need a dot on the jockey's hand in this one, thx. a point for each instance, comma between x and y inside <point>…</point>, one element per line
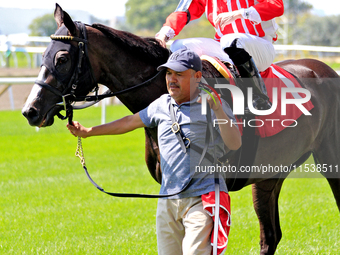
<point>161,38</point>
<point>77,129</point>
<point>224,19</point>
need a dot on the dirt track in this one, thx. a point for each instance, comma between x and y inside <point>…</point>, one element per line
<point>20,92</point>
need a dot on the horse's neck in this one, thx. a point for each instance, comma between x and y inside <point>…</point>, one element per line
<point>140,98</point>
<point>122,70</point>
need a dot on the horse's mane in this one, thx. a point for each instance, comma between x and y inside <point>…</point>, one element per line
<point>148,49</point>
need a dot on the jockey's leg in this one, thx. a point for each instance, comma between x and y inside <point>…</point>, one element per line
<point>248,69</point>
<point>202,46</point>
<point>250,75</point>
<point>261,50</point>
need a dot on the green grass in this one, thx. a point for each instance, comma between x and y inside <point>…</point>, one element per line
<point>334,65</point>
<point>48,206</point>
<point>21,59</point>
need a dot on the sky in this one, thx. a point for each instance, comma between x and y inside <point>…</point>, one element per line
<point>107,9</point>
<point>103,9</point>
<point>329,7</point>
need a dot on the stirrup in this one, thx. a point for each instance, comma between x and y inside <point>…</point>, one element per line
<point>261,103</point>
<point>260,96</point>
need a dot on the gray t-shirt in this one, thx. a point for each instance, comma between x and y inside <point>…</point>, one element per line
<point>179,168</point>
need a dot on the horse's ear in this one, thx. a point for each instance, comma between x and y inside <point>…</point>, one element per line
<point>62,17</point>
<point>59,15</point>
<point>70,24</point>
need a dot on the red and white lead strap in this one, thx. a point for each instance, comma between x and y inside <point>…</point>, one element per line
<point>217,217</point>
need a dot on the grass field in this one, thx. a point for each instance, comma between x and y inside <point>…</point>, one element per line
<point>48,206</point>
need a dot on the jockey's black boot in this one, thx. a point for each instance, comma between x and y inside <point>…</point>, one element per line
<point>252,78</point>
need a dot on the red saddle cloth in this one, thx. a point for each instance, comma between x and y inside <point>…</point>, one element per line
<point>269,125</point>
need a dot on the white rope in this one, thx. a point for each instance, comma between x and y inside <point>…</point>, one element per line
<point>217,217</point>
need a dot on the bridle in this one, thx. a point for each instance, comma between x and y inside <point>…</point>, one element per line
<point>68,95</point>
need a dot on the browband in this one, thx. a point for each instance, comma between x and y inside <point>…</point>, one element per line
<point>67,37</point>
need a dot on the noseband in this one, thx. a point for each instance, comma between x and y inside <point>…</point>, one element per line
<point>68,95</point>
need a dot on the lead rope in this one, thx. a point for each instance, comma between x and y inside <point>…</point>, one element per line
<point>217,185</point>
<point>80,155</point>
<point>80,152</point>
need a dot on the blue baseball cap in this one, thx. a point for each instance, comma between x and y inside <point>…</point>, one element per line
<point>182,60</point>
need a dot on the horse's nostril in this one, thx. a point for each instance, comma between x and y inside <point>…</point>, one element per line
<point>31,113</point>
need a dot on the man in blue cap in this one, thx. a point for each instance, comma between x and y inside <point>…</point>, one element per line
<point>183,226</point>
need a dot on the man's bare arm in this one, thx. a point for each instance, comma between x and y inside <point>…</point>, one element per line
<point>120,126</point>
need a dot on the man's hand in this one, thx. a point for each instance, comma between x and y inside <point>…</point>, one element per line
<point>229,132</point>
<point>78,130</point>
<point>226,18</point>
<point>214,106</point>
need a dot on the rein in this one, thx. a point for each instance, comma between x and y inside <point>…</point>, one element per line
<point>98,98</point>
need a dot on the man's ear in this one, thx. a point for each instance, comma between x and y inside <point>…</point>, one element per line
<point>198,75</point>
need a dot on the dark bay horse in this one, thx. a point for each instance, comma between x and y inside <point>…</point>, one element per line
<point>121,60</point>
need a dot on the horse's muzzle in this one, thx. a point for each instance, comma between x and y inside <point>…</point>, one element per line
<point>36,119</point>
<point>32,115</point>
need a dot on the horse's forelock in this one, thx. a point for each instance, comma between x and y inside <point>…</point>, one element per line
<point>147,48</point>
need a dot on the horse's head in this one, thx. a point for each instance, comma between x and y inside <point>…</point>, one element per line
<point>65,65</point>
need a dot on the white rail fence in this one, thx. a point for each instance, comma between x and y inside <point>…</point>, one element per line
<point>7,82</point>
<point>12,44</point>
<point>38,50</point>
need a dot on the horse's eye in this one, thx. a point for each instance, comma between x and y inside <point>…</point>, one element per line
<point>62,60</point>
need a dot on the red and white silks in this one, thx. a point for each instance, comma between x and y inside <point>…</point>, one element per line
<point>258,17</point>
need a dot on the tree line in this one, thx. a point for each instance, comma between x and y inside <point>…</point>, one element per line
<point>145,17</point>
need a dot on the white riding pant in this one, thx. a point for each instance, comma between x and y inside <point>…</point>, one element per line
<point>260,49</point>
